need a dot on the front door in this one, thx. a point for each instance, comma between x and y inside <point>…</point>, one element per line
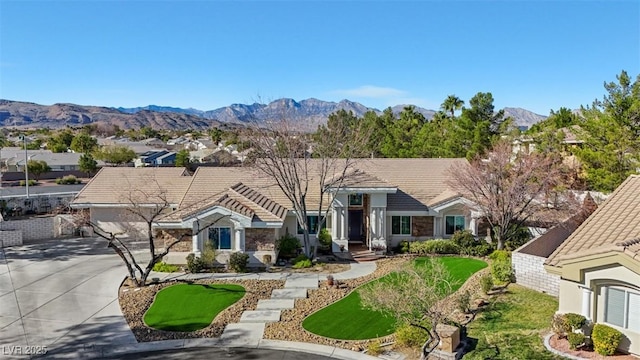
<point>355,225</point>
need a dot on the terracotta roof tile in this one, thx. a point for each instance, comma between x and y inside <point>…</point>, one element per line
<point>613,226</point>
<point>116,185</point>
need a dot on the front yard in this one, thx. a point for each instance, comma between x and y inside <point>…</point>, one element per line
<point>512,326</point>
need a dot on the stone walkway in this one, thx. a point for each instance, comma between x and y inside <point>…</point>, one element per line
<point>250,330</point>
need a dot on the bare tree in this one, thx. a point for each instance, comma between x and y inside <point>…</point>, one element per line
<point>144,207</point>
<point>300,163</point>
<point>511,189</point>
<point>413,295</point>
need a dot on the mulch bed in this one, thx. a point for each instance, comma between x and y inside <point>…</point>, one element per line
<point>563,346</point>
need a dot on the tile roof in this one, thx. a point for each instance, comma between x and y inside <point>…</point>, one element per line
<point>614,226</point>
<point>420,183</point>
<point>115,185</point>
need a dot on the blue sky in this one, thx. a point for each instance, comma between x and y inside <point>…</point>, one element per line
<point>539,55</point>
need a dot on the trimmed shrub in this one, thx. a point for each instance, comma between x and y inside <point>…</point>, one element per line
<point>302,264</point>
<point>324,238</point>
<point>434,247</point>
<point>68,180</point>
<point>164,267</point>
<point>481,249</point>
<point>402,247</point>
<point>575,340</point>
<point>576,321</point>
<point>486,283</point>
<point>464,239</point>
<point>238,262</point>
<point>299,258</point>
<point>31,183</point>
<point>501,266</point>
<point>194,263</point>
<point>410,336</point>
<point>605,339</point>
<point>208,255</point>
<point>288,246</point>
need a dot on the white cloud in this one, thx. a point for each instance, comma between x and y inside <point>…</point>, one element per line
<point>371,91</point>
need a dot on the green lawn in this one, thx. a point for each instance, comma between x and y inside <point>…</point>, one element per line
<point>512,326</point>
<point>347,319</point>
<point>189,307</point>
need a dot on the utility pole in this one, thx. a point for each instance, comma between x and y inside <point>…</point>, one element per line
<point>26,168</point>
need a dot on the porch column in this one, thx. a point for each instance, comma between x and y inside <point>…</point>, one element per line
<point>373,225</point>
<point>195,243</point>
<point>336,222</point>
<point>382,216</point>
<point>587,293</point>
<point>239,239</point>
<point>344,228</point>
<point>473,226</point>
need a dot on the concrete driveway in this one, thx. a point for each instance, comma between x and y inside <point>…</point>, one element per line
<point>60,294</point>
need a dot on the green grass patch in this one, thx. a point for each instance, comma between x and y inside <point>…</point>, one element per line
<point>347,319</point>
<point>511,327</point>
<point>189,307</point>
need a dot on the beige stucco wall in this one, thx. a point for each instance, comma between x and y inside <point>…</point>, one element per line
<point>119,221</point>
<point>571,297</point>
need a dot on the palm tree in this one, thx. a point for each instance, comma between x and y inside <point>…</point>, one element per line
<point>451,104</point>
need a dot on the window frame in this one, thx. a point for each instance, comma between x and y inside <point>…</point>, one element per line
<point>312,229</point>
<point>217,243</point>
<point>356,196</point>
<point>455,218</point>
<point>627,293</point>
<point>400,219</point>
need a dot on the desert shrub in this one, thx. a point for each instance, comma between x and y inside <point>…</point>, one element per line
<point>288,246</point>
<point>434,247</point>
<point>560,325</point>
<point>299,258</point>
<point>464,239</point>
<point>68,180</point>
<point>463,301</point>
<point>486,283</point>
<point>194,263</point>
<point>374,348</point>
<point>481,249</point>
<point>576,321</point>
<point>324,238</point>
<point>605,339</point>
<point>208,255</point>
<point>501,266</point>
<point>303,264</point>
<point>575,340</point>
<point>238,261</point>
<point>164,267</point>
<point>402,247</point>
<point>410,336</point>
<point>31,183</point>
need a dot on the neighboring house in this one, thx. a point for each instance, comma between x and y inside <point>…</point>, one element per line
<point>381,202</point>
<point>65,161</point>
<point>599,265</point>
<point>156,158</point>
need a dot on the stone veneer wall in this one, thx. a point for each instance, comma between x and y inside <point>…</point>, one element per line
<point>422,226</point>
<point>37,228</point>
<point>259,239</point>
<point>165,237</point>
<point>529,272</point>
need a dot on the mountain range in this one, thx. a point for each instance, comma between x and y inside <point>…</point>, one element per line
<point>308,113</point>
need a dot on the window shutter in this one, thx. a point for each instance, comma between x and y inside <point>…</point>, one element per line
<point>614,307</point>
<point>633,322</point>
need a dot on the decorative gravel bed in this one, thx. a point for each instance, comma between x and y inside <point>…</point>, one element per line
<point>134,303</point>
